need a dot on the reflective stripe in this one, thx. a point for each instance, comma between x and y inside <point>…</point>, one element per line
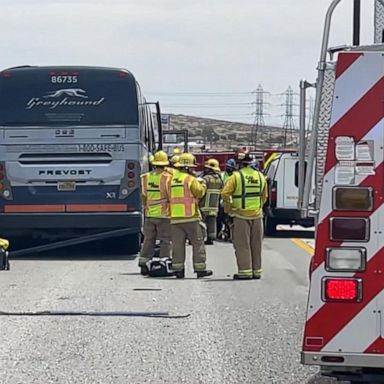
<point>177,266</point>
<point>209,204</point>
<point>143,261</point>
<point>246,272</point>
<point>183,203</point>
<point>154,189</point>
<point>249,185</point>
<point>199,266</point>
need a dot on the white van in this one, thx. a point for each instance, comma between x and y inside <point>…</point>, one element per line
<point>283,192</point>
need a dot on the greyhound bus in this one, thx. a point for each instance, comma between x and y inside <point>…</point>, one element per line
<point>74,141</point>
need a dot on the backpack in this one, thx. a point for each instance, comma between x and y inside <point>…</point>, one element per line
<point>160,267</point>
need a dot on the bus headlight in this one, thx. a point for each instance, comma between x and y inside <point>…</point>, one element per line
<point>7,193</point>
<point>124,192</point>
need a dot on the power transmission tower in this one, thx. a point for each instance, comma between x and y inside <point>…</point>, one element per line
<point>289,123</point>
<point>259,113</point>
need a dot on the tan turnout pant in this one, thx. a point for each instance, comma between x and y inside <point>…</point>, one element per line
<point>155,229</point>
<point>210,222</point>
<point>193,232</point>
<point>247,240</point>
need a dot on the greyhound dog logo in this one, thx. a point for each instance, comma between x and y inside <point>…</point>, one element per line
<point>72,92</point>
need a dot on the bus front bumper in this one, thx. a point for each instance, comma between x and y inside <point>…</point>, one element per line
<point>89,220</point>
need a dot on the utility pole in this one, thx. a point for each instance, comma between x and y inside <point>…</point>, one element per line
<point>310,118</point>
<point>289,124</point>
<point>259,121</point>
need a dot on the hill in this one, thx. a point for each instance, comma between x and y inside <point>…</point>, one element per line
<point>222,134</point>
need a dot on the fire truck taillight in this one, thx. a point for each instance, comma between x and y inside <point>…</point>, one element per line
<point>342,289</point>
<point>349,229</point>
<point>353,198</point>
<point>346,259</point>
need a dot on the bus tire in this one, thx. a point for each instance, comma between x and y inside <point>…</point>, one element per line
<point>269,226</point>
<point>134,243</point>
<point>124,245</point>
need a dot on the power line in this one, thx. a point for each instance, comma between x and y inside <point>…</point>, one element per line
<point>208,105</point>
<point>205,106</point>
<point>199,93</point>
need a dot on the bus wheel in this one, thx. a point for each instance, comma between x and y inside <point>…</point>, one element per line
<point>269,226</point>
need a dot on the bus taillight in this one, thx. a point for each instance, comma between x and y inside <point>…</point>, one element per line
<point>131,165</point>
<point>131,175</point>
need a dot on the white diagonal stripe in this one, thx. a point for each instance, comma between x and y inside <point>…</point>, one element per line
<point>373,246</point>
<point>377,135</point>
<point>358,79</point>
<point>360,332</point>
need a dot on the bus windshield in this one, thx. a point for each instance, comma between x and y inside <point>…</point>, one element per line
<point>71,96</point>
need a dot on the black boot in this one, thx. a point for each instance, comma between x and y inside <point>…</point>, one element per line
<point>236,276</point>
<point>209,242</point>
<point>144,270</point>
<point>205,273</point>
<point>180,274</point>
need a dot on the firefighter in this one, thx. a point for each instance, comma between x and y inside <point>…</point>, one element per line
<point>184,190</point>
<point>173,159</point>
<point>156,211</point>
<point>209,204</point>
<point>223,229</point>
<point>244,195</point>
<point>230,167</point>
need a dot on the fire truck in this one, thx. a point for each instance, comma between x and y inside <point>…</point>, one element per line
<point>344,328</point>
<point>263,157</point>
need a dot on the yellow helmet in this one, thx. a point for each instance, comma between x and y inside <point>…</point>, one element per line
<point>186,160</point>
<point>212,164</point>
<point>160,159</point>
<point>176,151</point>
<point>174,159</point>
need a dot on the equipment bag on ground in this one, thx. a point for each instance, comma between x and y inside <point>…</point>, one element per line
<point>160,267</point>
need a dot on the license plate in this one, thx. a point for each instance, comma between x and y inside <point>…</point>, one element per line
<point>66,186</point>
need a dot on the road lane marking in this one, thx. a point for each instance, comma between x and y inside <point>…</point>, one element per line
<point>303,245</point>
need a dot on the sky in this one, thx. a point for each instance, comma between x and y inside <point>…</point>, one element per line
<point>200,57</point>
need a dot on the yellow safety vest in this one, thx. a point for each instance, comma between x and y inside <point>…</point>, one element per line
<point>210,202</point>
<point>182,202</point>
<point>154,188</point>
<point>248,189</point>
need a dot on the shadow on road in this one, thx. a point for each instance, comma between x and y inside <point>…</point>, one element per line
<point>318,379</point>
<point>82,252</point>
<point>287,234</point>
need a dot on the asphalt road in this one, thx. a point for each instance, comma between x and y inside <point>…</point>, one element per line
<point>237,331</point>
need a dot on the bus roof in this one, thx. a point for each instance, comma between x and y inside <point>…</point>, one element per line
<point>67,68</point>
